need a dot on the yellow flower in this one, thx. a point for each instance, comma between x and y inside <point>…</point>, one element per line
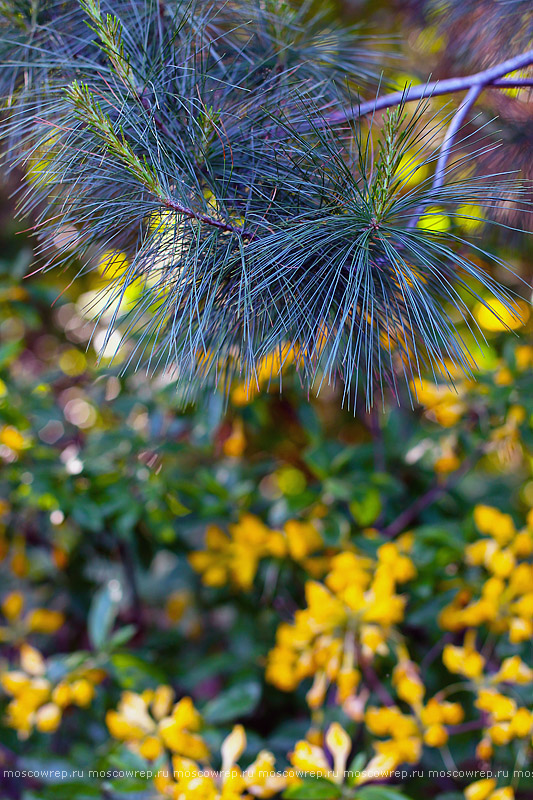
<point>411,170</point>
<point>498,705</point>
<point>470,217</point>
<point>400,565</point>
<point>480,790</point>
<point>522,545</point>
<point>434,219</point>
<point>513,670</point>
<point>501,563</point>
<point>436,736</point>
<point>309,758</point>
<point>464,660</point>
<point>523,357</point>
<point>357,600</point>
<point>176,731</point>
<point>505,793</point>
<point>500,733</point>
<point>317,693</point>
<point>161,705</point>
<point>302,539</point>
<point>339,744</point>
<point>113,264</point>
<point>148,732</point>
<point>494,315</point>
<point>484,750</point>
<point>436,712</point>
<point>12,438</point>
<point>522,723</point>
<point>151,748</point>
<point>31,660</point>
<point>82,692</point>
<point>400,749</point>
<point>373,640</point>
<point>47,718</point>
<point>43,620</point>
<point>14,682</point>
<point>235,444</point>
<point>493,522</point>
<point>187,781</point>
<point>12,606</point>
<point>347,681</point>
<point>233,747</point>
<point>407,681</point>
<point>121,728</point>
<point>520,630</point>
<point>261,778</point>
<point>62,694</point>
<point>447,463</point>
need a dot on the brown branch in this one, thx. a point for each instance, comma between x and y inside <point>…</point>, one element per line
<point>190,213</point>
<point>493,77</point>
<point>433,494</point>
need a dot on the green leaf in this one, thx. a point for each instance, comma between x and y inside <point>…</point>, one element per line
<point>122,636</point>
<point>8,352</point>
<point>69,790</point>
<point>133,673</point>
<point>356,765</point>
<point>237,701</point>
<point>102,615</point>
<point>313,789</point>
<point>366,509</point>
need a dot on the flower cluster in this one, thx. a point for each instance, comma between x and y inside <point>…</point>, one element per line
<point>406,733</point>
<point>504,554</point>
<point>189,780</point>
<point>443,404</point>
<point>503,717</point>
<point>349,618</point>
<point>234,558</point>
<point>150,722</point>
<point>38,701</point>
<point>20,624</point>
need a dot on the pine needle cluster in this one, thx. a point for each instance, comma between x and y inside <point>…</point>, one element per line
<point>219,145</point>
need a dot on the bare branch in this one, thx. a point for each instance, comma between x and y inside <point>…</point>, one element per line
<point>493,76</point>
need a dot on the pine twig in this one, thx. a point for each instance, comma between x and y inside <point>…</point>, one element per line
<point>493,77</point>
<point>453,129</point>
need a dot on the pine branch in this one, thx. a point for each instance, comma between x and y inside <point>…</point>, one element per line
<point>197,141</point>
<point>90,112</point>
<point>491,77</point>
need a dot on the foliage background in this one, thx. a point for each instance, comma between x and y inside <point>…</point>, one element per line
<point>108,484</point>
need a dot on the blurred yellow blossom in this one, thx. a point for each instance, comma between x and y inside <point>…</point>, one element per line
<point>493,315</point>
<point>234,557</point>
<point>36,620</point>
<point>356,602</point>
<point>36,700</point>
<point>150,722</point>
<point>188,781</point>
<point>506,598</point>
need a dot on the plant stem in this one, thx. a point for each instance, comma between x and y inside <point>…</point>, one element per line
<point>410,514</point>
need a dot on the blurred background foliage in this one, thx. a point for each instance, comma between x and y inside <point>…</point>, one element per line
<point>108,486</point>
